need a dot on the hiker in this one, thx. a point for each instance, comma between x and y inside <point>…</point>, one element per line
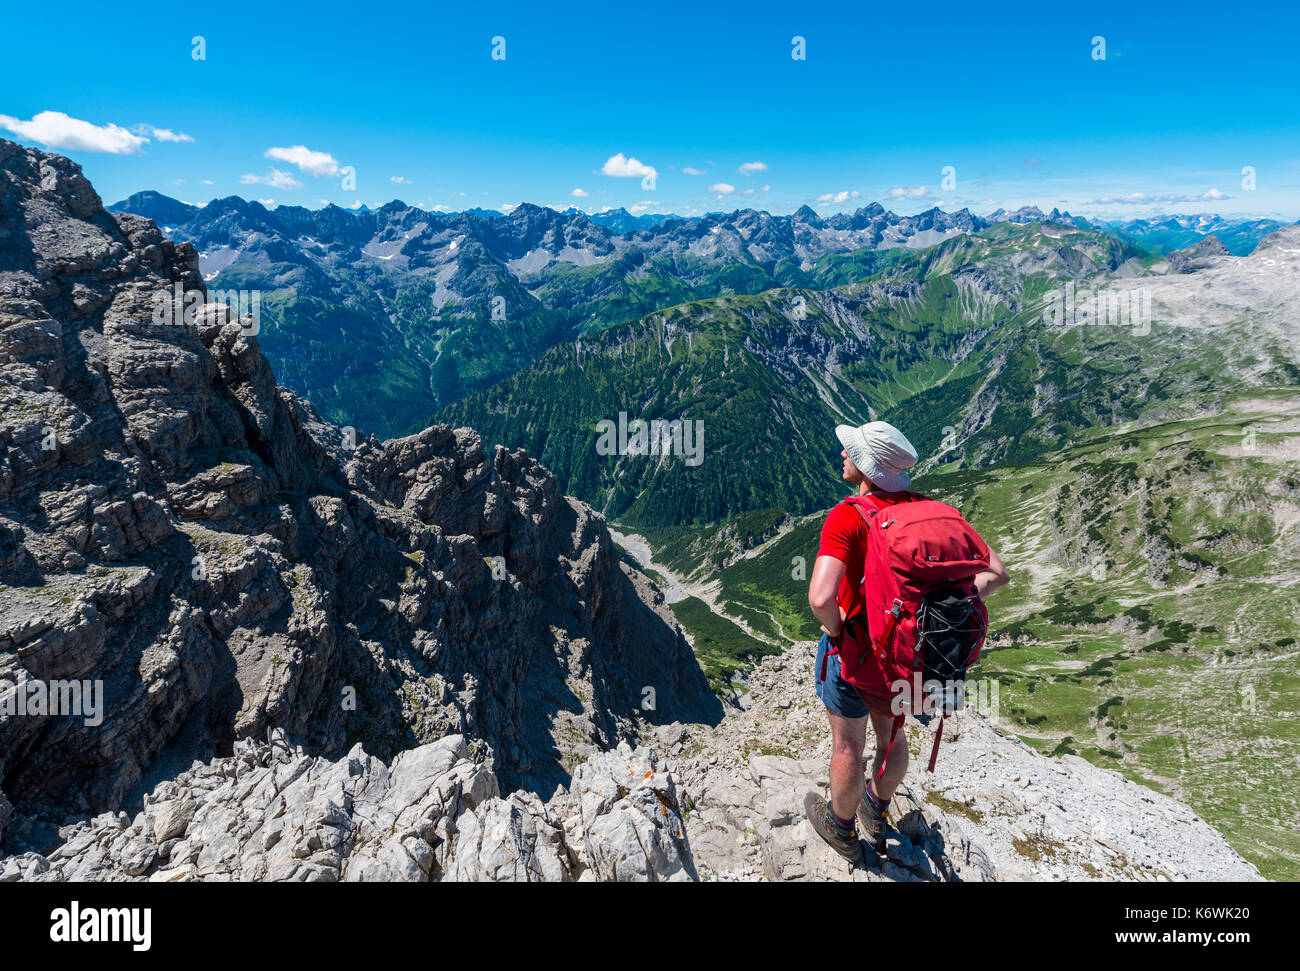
<point>859,675</point>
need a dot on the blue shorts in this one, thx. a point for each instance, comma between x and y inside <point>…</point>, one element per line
<point>836,693</point>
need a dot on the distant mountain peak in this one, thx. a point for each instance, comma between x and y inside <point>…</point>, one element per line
<point>164,210</point>
<point>1199,256</point>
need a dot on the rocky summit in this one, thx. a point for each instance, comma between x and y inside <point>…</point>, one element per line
<point>311,657</point>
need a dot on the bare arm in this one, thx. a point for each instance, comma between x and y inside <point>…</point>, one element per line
<point>822,591</point>
<point>990,580</point>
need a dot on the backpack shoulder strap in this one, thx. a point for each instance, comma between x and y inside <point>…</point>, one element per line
<point>858,502</point>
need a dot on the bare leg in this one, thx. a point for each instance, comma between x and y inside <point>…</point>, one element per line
<point>849,738</point>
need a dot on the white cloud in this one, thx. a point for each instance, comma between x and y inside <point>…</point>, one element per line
<point>722,188</point>
<point>399,179</point>
<point>1141,198</point>
<point>441,208</point>
<point>162,134</point>
<point>909,192</point>
<point>579,194</point>
<point>838,197</point>
<point>207,182</point>
<point>749,168</point>
<point>621,167</point>
<point>269,203</point>
<point>274,178</point>
<point>690,171</point>
<point>318,164</point>
<point>1132,199</point>
<point>54,129</point>
<point>508,208</point>
<point>355,205</point>
<point>755,191</point>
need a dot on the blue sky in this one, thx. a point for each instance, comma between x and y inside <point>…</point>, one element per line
<point>888,95</point>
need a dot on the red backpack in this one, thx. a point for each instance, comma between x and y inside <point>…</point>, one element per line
<point>919,612</point>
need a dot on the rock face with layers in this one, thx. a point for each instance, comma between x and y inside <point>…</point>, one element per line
<point>179,528</point>
<point>1198,256</point>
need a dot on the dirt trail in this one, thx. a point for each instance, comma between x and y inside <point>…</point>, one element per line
<point>677,588</point>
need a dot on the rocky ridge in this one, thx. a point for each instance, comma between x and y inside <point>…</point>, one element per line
<point>690,803</point>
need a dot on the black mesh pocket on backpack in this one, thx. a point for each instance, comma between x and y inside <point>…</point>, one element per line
<point>949,628</point>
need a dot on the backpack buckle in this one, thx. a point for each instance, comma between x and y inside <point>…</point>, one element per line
<point>897,609</point>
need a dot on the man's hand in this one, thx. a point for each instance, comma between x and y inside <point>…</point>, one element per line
<point>839,629</point>
<point>994,577</point>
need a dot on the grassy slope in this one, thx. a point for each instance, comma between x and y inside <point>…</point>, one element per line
<point>723,649</point>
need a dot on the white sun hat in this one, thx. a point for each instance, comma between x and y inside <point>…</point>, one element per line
<point>881,452</point>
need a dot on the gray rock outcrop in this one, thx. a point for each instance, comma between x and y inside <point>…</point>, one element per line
<point>272,812</point>
<point>994,809</point>
<point>1199,256</point>
<point>694,802</point>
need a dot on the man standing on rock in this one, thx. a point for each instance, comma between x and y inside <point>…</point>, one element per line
<point>876,456</point>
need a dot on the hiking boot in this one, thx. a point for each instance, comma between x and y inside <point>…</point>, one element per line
<point>842,841</point>
<point>872,819</point>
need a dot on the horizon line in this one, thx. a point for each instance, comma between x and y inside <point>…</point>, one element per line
<point>505,211</point>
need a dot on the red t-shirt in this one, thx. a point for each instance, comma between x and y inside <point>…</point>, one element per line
<point>844,536</point>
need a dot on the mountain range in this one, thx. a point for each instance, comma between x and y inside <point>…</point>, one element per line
<point>220,555</point>
<point>191,538</point>
<point>382,317</point>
